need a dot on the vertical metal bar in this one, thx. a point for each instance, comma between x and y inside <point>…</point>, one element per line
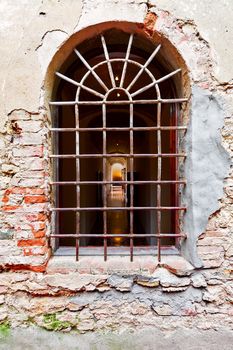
<point>172,165</point>
<point>56,216</point>
<point>104,179</point>
<point>159,176</point>
<point>174,169</point>
<point>108,61</point>
<point>177,202</point>
<point>78,180</point>
<point>126,60</point>
<point>131,185</point>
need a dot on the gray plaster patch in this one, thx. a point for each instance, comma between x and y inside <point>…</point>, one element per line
<point>85,299</point>
<point>205,168</point>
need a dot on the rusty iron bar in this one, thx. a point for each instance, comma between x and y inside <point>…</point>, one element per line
<point>110,155</point>
<point>143,68</point>
<point>112,60</point>
<point>131,169</point>
<point>109,65</point>
<point>116,208</point>
<point>123,102</point>
<point>107,236</point>
<point>78,180</point>
<point>162,182</point>
<point>105,179</point>
<point>126,60</point>
<point>143,128</point>
<point>86,64</point>
<point>159,178</point>
<point>177,198</point>
<point>147,87</point>
<point>73,82</point>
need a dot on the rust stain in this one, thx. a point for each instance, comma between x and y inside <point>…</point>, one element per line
<point>15,127</point>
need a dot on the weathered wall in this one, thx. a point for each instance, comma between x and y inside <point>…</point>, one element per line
<point>91,294</point>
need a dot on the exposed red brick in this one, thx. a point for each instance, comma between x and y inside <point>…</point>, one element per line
<point>39,234</point>
<point>18,267</point>
<point>36,217</point>
<point>31,242</point>
<point>35,191</point>
<point>39,230</point>
<point>27,190</point>
<point>35,199</point>
<point>5,197</point>
<point>149,23</point>
<point>10,207</point>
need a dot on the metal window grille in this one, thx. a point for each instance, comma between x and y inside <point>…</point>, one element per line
<point>104,101</point>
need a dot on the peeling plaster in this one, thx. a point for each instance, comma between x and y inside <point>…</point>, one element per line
<point>206,166</point>
<point>214,22</point>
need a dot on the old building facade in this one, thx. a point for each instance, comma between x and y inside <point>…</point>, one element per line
<point>190,284</point>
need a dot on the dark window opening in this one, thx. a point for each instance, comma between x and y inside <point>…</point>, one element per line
<point>117,150</point>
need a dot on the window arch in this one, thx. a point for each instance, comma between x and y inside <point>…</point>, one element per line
<point>116,104</point>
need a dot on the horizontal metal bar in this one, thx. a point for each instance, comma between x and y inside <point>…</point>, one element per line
<point>117,208</point>
<point>162,182</point>
<point>111,235</point>
<point>143,128</point>
<point>119,102</point>
<point>141,155</point>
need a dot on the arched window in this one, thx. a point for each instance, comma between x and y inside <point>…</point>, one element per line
<point>116,154</point>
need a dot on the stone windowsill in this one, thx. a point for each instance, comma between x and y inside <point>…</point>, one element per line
<point>64,262</point>
<point>116,251</point>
